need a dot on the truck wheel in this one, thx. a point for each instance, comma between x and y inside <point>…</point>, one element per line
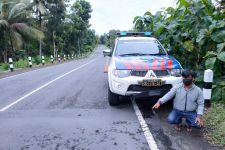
<point>113,98</point>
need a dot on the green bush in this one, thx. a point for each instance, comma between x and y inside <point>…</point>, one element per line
<point>87,48</point>
<point>47,60</point>
<point>37,60</point>
<point>21,63</point>
<point>4,66</point>
<point>219,92</point>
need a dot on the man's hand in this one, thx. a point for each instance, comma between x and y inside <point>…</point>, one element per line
<point>156,106</point>
<point>199,121</point>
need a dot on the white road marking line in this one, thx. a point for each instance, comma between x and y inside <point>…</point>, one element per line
<point>33,70</point>
<point>148,135</point>
<point>43,86</point>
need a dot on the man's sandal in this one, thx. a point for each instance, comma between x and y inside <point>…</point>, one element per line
<point>189,128</point>
<point>177,127</point>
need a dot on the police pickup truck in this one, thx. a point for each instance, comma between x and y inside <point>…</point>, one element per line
<point>139,66</point>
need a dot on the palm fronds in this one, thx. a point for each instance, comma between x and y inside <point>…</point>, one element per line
<point>16,39</point>
<point>4,24</point>
<point>17,32</point>
<point>27,31</point>
<point>17,10</point>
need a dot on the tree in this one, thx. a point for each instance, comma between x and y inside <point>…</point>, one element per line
<point>221,4</point>
<point>40,10</point>
<point>194,30</point>
<point>139,23</point>
<point>103,39</point>
<point>13,31</point>
<point>111,36</point>
<point>55,17</point>
<point>80,16</point>
<point>144,23</point>
<point>63,30</point>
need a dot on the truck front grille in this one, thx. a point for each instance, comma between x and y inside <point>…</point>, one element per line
<point>161,73</point>
<point>140,88</point>
<point>138,73</point>
<point>158,73</point>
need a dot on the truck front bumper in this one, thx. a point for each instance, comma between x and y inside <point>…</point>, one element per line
<point>130,86</point>
<point>139,91</point>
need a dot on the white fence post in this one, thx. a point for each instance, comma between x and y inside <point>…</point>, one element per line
<point>207,88</point>
<point>52,60</point>
<point>59,59</point>
<point>64,57</point>
<point>11,64</point>
<point>43,60</point>
<point>30,61</point>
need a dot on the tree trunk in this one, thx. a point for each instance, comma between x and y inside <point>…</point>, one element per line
<point>40,48</point>
<point>53,37</point>
<point>78,44</point>
<point>5,57</point>
<point>56,54</point>
<point>12,48</point>
<point>11,42</point>
<point>40,44</point>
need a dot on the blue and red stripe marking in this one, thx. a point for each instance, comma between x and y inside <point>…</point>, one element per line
<point>155,63</point>
<point>162,64</point>
<point>127,64</point>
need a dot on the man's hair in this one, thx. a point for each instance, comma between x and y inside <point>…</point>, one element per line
<point>188,72</point>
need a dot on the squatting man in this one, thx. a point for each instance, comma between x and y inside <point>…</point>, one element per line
<point>188,103</point>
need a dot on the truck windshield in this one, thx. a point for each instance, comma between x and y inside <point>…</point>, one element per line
<point>139,47</point>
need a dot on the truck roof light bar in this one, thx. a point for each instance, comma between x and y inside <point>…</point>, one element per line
<point>130,34</point>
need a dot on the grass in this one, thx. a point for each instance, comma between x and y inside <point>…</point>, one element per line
<point>215,124</point>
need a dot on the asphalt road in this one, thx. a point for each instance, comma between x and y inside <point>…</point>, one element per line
<point>65,107</point>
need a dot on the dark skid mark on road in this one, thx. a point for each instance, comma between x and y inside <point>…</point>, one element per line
<point>145,108</point>
<point>53,142</point>
<point>71,101</point>
<point>165,140</point>
<point>157,130</point>
<point>78,142</point>
<point>57,102</point>
<point>165,135</point>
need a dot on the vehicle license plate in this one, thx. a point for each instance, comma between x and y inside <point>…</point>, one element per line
<point>152,82</point>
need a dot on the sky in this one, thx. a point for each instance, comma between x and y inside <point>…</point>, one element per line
<point>119,14</point>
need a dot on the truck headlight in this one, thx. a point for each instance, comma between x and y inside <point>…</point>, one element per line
<point>121,73</point>
<point>175,72</point>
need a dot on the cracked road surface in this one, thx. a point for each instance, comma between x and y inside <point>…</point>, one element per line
<point>72,112</point>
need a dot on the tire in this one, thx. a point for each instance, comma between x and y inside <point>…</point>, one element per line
<point>113,98</point>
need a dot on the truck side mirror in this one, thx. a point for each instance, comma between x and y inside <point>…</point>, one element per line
<point>107,52</point>
<point>169,50</point>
